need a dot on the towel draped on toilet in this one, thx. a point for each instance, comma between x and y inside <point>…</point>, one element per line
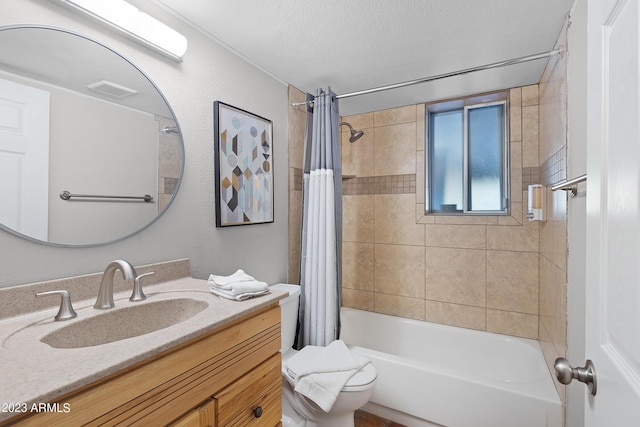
<point>237,286</point>
<point>320,373</point>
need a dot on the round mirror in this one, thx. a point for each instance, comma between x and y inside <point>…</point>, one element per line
<point>90,150</point>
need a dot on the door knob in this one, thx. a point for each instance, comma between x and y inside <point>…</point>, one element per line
<point>565,373</point>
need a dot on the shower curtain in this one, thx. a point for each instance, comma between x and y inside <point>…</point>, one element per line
<point>321,260</point>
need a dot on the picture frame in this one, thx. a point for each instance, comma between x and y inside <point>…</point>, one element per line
<point>243,145</point>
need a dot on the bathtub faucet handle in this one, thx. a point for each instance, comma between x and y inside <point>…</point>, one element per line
<point>587,374</point>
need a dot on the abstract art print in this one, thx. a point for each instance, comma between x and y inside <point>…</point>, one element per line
<point>244,166</point>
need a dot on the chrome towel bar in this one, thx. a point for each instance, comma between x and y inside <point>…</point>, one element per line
<point>570,185</point>
<point>65,195</point>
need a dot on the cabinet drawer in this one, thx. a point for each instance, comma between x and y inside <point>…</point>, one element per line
<point>204,416</point>
<point>255,399</point>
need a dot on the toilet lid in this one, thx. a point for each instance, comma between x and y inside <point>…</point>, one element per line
<point>360,380</point>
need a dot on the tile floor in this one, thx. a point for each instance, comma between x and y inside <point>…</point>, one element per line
<point>365,419</point>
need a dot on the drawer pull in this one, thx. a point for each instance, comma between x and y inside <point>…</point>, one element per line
<point>257,412</point>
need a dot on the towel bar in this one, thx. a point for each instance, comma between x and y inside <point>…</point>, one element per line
<point>571,185</point>
<point>65,195</point>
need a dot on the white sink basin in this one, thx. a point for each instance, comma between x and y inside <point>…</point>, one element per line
<point>122,323</point>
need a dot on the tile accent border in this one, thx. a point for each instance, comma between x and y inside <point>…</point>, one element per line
<point>297,179</point>
<point>389,184</point>
<point>554,169</point>
<point>367,185</point>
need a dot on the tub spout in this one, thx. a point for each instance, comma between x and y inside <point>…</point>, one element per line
<point>105,294</point>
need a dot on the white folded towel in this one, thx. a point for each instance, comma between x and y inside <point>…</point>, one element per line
<point>241,287</point>
<point>238,297</point>
<point>226,281</point>
<point>321,372</point>
<point>238,286</point>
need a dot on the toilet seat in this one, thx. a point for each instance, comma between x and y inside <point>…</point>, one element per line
<point>361,380</point>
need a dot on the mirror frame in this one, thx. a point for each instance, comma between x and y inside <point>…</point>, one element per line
<point>175,119</point>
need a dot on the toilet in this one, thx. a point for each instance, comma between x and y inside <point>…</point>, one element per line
<point>298,410</point>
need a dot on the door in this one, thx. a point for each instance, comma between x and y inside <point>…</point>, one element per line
<point>24,159</point>
<point>613,212</point>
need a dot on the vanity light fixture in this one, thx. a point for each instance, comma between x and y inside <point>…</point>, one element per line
<point>133,24</point>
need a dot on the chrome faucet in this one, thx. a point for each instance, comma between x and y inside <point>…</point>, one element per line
<point>105,294</point>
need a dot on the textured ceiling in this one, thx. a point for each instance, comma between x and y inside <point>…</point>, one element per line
<point>352,45</point>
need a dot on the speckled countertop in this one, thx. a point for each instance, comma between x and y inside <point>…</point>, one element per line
<point>34,372</point>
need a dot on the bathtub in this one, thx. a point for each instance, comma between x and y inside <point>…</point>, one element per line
<point>431,374</point>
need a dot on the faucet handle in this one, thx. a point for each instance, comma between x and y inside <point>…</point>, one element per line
<point>137,294</point>
<point>66,310</point>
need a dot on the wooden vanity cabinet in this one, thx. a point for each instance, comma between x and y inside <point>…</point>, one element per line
<point>228,377</point>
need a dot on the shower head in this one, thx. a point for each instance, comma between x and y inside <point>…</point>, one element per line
<point>355,134</point>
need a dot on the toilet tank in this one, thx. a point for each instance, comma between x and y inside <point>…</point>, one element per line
<point>288,314</point>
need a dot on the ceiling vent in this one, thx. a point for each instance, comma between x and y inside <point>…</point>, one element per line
<point>111,89</point>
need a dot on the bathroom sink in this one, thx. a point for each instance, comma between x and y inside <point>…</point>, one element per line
<point>121,323</point>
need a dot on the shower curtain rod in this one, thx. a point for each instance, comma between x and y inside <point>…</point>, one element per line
<point>508,62</point>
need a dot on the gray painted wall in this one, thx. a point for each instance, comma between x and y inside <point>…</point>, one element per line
<point>209,73</point>
<point>576,206</point>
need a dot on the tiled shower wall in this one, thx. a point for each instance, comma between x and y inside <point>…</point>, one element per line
<point>553,232</point>
<point>479,272</point>
<point>297,122</point>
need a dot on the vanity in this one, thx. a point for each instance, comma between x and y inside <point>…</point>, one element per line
<point>217,364</point>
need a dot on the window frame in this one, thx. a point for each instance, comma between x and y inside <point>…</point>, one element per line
<point>466,104</point>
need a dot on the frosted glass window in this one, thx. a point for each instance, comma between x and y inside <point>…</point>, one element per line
<point>486,155</point>
<point>466,164</point>
<point>447,164</point>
